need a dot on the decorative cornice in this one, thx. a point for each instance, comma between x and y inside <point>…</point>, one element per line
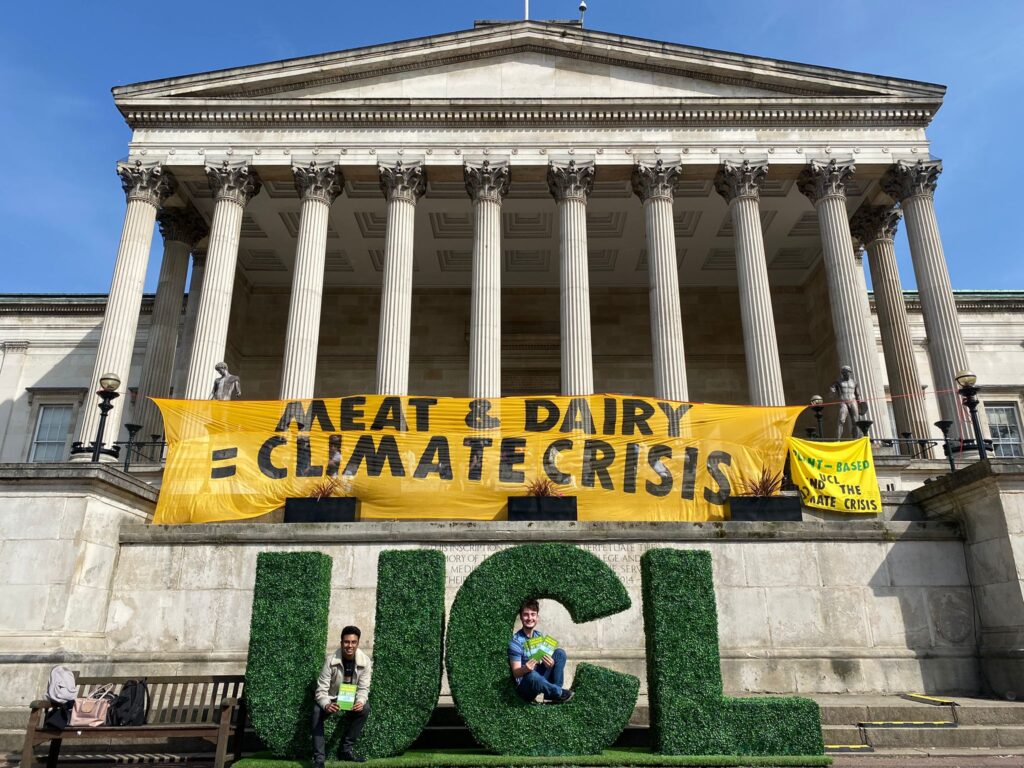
<point>744,180</point>
<point>403,182</point>
<point>573,181</point>
<point>821,180</point>
<point>904,179</point>
<point>148,182</point>
<point>234,181</point>
<point>183,225</point>
<point>875,222</point>
<point>883,111</point>
<point>318,182</point>
<point>487,181</point>
<point>16,347</point>
<point>655,181</point>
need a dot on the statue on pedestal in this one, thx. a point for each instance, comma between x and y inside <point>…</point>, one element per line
<point>851,404</point>
<point>227,386</point>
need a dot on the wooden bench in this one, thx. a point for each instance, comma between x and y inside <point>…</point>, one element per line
<point>210,707</point>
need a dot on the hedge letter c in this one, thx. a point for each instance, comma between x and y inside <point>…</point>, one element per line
<point>479,629</point>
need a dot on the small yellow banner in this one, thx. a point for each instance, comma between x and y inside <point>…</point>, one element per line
<point>408,458</point>
<point>839,477</point>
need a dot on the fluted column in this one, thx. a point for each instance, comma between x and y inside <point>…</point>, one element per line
<point>181,228</point>
<point>655,186</point>
<point>912,185</point>
<point>487,184</point>
<point>318,187</point>
<point>233,186</point>
<point>402,186</point>
<point>825,185</point>
<point>146,188</point>
<point>188,328</point>
<point>740,186</point>
<point>571,185</point>
<point>875,227</point>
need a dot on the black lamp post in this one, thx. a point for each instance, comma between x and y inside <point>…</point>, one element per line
<point>818,405</point>
<point>967,382</point>
<point>864,425</point>
<point>944,426</point>
<point>133,430</point>
<point>109,382</point>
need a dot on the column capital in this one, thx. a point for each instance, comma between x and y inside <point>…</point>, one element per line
<point>904,179</point>
<point>655,181</point>
<point>572,181</point>
<point>403,182</point>
<point>875,222</point>
<point>487,181</point>
<point>234,181</point>
<point>148,182</point>
<point>744,180</point>
<point>184,225</point>
<point>318,182</point>
<point>821,180</point>
<point>199,258</point>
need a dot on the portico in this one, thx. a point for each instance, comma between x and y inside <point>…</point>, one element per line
<point>535,207</point>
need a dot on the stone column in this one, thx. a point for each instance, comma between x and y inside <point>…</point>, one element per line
<point>875,227</point>
<point>146,187</point>
<point>402,186</point>
<point>571,185</point>
<point>188,329</point>
<point>318,187</point>
<point>655,186</point>
<point>825,185</point>
<point>912,185</point>
<point>233,185</point>
<point>487,184</point>
<point>181,228</point>
<point>740,186</point>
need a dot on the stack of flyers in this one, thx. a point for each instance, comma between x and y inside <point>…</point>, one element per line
<point>346,697</point>
<point>539,646</point>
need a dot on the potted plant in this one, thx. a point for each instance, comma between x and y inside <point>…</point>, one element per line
<point>543,502</point>
<point>326,503</point>
<point>759,498</point>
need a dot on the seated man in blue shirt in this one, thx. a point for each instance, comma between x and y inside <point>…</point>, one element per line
<point>530,676</point>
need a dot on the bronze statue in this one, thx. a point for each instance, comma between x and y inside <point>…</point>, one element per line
<point>851,404</point>
<point>227,386</point>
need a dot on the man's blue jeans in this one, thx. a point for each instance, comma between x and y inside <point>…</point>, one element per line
<point>544,679</point>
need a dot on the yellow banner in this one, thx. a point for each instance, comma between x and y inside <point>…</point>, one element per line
<point>623,458</point>
<point>836,476</point>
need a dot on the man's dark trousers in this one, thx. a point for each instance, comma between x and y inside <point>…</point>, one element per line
<point>356,721</point>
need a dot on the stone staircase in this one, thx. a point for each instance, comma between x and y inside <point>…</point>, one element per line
<point>879,723</point>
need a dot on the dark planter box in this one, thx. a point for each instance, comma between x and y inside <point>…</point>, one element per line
<point>332,510</point>
<point>541,508</point>
<point>765,508</point>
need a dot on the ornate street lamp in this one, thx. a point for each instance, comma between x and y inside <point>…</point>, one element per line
<point>864,425</point>
<point>967,382</point>
<point>109,382</point>
<point>818,405</point>
<point>944,426</point>
<point>133,430</point>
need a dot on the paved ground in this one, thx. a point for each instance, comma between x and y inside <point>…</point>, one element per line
<point>972,759</point>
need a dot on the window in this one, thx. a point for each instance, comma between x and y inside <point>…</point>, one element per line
<point>52,426</point>
<point>1004,428</point>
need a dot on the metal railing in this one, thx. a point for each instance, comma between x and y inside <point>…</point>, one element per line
<point>134,452</point>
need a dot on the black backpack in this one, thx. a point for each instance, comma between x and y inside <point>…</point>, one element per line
<point>131,707</point>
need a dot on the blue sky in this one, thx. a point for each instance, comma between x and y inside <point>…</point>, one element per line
<point>61,208</point>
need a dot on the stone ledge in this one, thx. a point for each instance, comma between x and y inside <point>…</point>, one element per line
<point>12,475</point>
<point>454,532</point>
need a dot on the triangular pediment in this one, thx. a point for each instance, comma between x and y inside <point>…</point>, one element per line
<point>525,61</point>
<point>525,75</point>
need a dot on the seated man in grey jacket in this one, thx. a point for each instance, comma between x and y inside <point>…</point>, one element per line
<point>346,665</point>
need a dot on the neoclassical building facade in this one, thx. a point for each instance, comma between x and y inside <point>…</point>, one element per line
<point>530,207</point>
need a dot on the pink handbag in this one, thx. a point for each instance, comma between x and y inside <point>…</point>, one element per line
<point>91,711</point>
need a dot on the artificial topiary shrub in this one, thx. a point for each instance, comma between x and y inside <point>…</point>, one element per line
<point>407,650</point>
<point>287,638</point>
<point>689,715</point>
<point>479,629</point>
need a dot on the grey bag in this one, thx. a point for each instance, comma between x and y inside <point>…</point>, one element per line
<point>61,688</point>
